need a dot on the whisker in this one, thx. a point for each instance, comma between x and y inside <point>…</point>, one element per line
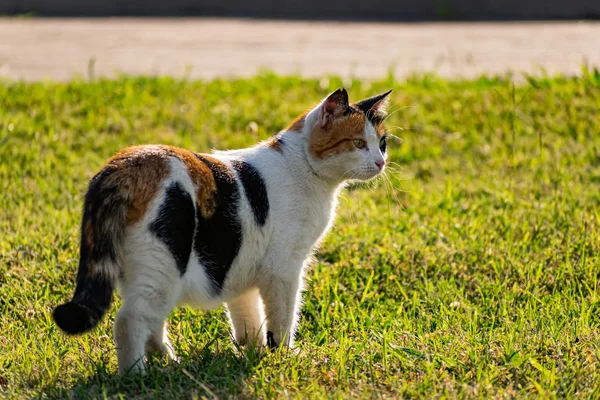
<point>394,172</point>
<point>395,164</point>
<point>352,215</point>
<point>390,107</point>
<point>396,110</point>
<point>394,168</point>
<point>397,189</point>
<point>394,127</point>
<point>388,193</point>
<point>393,192</point>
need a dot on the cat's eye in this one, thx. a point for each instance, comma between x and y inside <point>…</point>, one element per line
<point>359,143</point>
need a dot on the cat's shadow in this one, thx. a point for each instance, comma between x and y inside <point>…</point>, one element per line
<point>204,373</point>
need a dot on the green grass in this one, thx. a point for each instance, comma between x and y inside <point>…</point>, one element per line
<point>472,272</point>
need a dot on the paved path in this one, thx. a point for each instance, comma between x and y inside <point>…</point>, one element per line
<point>59,48</point>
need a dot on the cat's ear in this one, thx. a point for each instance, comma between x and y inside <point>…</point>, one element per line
<point>333,106</point>
<point>376,105</point>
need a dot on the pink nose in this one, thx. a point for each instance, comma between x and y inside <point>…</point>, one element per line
<point>380,164</point>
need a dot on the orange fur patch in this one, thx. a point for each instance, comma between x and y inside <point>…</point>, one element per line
<point>337,136</point>
<point>138,173</point>
<point>202,177</point>
<point>274,143</point>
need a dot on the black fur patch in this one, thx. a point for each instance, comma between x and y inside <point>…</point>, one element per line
<point>106,212</point>
<point>375,119</point>
<point>255,189</point>
<point>92,298</point>
<point>175,224</point>
<point>368,107</point>
<point>218,238</point>
<point>383,144</point>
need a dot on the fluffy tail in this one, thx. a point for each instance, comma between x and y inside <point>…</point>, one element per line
<point>102,235</point>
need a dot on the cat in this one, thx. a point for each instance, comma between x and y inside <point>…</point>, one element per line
<point>170,226</point>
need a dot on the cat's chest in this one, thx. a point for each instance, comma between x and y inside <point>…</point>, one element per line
<point>314,216</point>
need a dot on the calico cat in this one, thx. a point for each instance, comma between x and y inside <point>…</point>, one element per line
<point>171,227</point>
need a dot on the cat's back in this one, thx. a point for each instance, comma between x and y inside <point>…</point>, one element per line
<point>140,175</point>
<point>201,213</point>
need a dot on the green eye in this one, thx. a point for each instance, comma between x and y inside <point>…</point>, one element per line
<point>359,143</point>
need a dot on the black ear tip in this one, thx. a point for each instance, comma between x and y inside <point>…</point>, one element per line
<point>340,96</point>
<point>342,91</point>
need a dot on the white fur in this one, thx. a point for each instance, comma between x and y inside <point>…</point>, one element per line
<point>262,288</point>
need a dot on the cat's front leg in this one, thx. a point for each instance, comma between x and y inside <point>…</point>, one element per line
<point>281,297</point>
<point>247,318</point>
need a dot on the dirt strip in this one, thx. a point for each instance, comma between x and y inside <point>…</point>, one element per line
<point>40,48</point>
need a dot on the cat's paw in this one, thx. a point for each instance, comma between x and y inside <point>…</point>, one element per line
<point>138,368</point>
<point>273,343</point>
<point>256,340</point>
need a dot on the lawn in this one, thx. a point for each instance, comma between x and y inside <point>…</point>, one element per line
<point>472,270</point>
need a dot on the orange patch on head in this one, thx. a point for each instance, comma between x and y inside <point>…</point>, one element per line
<point>336,137</point>
<point>203,179</point>
<point>138,172</point>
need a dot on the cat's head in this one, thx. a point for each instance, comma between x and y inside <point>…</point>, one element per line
<point>346,141</point>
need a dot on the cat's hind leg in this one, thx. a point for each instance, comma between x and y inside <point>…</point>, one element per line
<point>158,343</point>
<point>247,318</point>
<point>150,287</point>
<point>131,333</point>
<point>140,323</point>
<point>159,249</point>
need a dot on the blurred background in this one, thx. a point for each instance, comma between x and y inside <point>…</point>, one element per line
<point>312,38</point>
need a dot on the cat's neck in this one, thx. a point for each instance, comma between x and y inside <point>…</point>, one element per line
<point>293,151</point>
<point>288,160</point>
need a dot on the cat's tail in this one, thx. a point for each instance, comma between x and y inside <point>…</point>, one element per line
<point>102,235</point>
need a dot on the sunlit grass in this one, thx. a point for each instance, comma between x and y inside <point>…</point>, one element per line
<point>471,270</point>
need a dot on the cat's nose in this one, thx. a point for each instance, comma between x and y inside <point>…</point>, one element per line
<point>380,164</point>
